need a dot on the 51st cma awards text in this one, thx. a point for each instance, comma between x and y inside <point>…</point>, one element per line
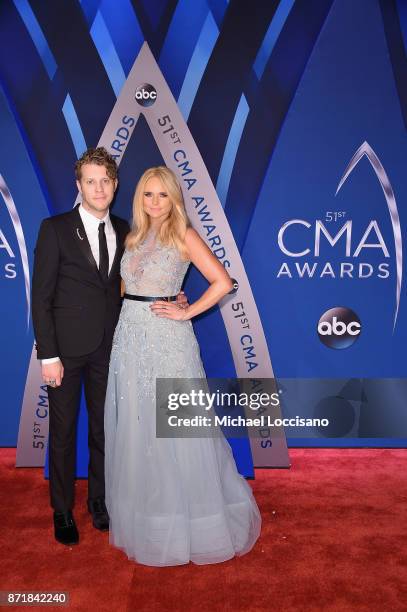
<point>9,268</point>
<point>240,421</point>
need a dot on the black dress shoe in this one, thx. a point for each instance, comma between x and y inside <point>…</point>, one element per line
<point>98,510</point>
<point>65,528</point>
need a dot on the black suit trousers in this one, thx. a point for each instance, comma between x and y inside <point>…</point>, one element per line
<point>93,370</point>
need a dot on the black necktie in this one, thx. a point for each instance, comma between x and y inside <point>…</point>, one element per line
<point>103,253</point>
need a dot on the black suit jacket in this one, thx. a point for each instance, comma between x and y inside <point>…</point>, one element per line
<point>72,307</point>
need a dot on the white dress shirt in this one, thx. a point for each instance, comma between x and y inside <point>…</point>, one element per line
<point>91,225</point>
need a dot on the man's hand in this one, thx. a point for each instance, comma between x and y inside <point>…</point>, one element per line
<point>182,300</point>
<point>53,373</point>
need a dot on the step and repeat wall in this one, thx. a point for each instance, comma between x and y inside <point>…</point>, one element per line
<point>286,124</point>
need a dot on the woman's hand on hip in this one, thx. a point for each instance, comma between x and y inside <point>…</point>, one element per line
<point>169,310</point>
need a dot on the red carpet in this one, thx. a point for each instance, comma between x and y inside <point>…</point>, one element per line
<point>334,538</point>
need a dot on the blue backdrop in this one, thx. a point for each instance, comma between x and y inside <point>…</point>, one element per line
<point>278,100</point>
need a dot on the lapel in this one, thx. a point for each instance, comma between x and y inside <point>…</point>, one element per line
<point>81,239</point>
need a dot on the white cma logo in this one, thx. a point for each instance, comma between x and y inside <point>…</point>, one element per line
<point>346,229</point>
<point>9,268</point>
<point>4,244</point>
<point>372,237</point>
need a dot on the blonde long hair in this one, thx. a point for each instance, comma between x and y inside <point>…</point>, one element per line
<point>173,229</point>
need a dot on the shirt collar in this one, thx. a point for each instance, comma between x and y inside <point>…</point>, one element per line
<point>92,221</point>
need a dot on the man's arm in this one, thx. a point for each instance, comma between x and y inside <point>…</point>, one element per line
<point>45,275</point>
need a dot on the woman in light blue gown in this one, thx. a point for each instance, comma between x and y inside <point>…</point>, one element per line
<point>170,501</point>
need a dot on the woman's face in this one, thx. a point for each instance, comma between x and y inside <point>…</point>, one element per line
<point>156,201</point>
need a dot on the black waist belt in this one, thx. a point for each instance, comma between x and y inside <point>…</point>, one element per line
<point>148,298</point>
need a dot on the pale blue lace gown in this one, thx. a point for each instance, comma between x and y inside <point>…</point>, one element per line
<point>170,501</point>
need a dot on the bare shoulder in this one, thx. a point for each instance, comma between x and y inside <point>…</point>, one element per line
<point>193,239</point>
<point>194,244</point>
<point>191,234</point>
<point>203,258</point>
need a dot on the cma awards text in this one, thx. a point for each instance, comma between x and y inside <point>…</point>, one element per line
<point>9,268</point>
<point>304,234</point>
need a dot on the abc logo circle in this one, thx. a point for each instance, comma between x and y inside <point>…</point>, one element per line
<point>146,94</point>
<point>235,286</point>
<point>339,327</point>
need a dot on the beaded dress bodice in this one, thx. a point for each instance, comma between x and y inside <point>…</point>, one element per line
<point>153,269</point>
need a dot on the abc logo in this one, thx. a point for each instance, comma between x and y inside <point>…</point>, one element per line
<point>235,286</point>
<point>146,95</point>
<point>339,328</point>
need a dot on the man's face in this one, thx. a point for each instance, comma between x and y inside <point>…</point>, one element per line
<point>97,189</point>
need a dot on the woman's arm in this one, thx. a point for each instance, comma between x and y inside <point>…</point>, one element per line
<point>219,281</point>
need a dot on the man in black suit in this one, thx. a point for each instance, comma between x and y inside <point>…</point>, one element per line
<point>75,305</point>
